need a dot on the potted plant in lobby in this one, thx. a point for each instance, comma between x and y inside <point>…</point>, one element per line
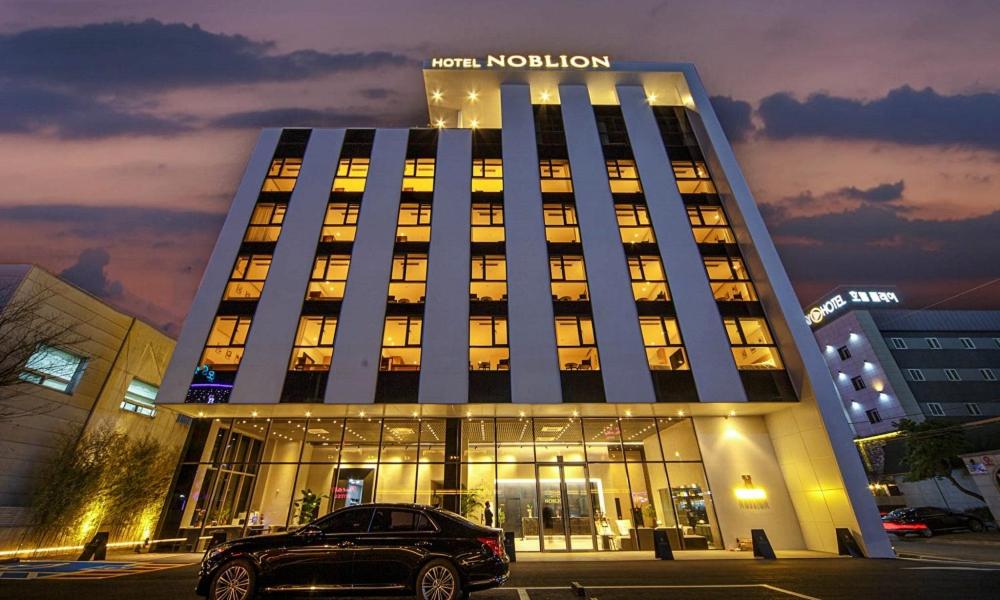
<point>308,505</point>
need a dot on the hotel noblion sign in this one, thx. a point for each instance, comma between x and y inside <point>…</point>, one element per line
<point>819,312</point>
<point>524,61</point>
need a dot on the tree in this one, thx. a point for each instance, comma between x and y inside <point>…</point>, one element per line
<point>27,328</point>
<point>932,448</point>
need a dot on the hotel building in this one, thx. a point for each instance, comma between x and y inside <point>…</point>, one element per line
<point>558,298</point>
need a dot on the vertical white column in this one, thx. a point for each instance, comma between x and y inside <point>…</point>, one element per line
<point>358,344</point>
<point>444,363</point>
<point>187,353</point>
<point>269,344</point>
<point>815,440</point>
<point>534,366</point>
<point>712,364</point>
<point>624,367</point>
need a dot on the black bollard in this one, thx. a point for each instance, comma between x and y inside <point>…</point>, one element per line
<point>761,545</point>
<point>847,545</point>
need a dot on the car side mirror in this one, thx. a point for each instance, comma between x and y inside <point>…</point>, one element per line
<point>310,532</point>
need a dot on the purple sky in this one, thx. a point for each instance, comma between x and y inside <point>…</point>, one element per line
<point>869,132</point>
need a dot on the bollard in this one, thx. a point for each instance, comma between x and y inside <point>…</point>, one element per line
<point>847,545</point>
<point>761,545</point>
<point>96,548</point>
<point>508,545</point>
<point>661,545</point>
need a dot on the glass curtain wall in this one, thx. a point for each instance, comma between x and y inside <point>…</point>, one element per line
<point>557,483</point>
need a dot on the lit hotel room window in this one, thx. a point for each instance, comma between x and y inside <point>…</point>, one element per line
<point>488,279</point>
<point>633,223</point>
<point>623,177</point>
<point>247,279</point>
<point>753,346</point>
<point>352,173</point>
<point>265,223</point>
<point>555,175</point>
<point>488,349</point>
<point>53,368</point>
<point>418,175</point>
<point>576,345</point>
<point>401,344</point>
<point>692,177</point>
<point>560,223</point>
<point>487,222</point>
<point>340,222</point>
<point>649,283</point>
<point>224,348</point>
<point>414,223</point>
<point>569,278</point>
<point>329,278</point>
<point>282,175</point>
<point>662,338</point>
<point>709,225</point>
<point>408,282</point>
<point>729,279</point>
<point>487,175</point>
<point>313,349</point>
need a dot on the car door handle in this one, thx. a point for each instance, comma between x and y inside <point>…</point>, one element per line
<point>423,544</point>
<point>345,544</point>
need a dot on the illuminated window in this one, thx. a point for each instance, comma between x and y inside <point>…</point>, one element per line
<point>265,223</point>
<point>576,345</point>
<point>352,174</point>
<point>729,279</point>
<point>569,278</point>
<point>418,175</point>
<point>692,177</point>
<point>488,279</point>
<point>560,223</point>
<point>313,348</point>
<point>753,347</point>
<point>53,368</point>
<point>282,175</point>
<point>555,175</point>
<point>649,282</point>
<point>488,350</point>
<point>247,279</point>
<point>401,344</point>
<point>414,223</point>
<point>487,222</point>
<point>341,222</point>
<point>224,348</point>
<point>487,175</point>
<point>409,278</point>
<point>329,278</point>
<point>633,223</point>
<point>140,398</point>
<point>662,338</point>
<point>709,225</point>
<point>623,177</point>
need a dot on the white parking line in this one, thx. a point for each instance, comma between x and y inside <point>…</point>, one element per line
<point>522,592</point>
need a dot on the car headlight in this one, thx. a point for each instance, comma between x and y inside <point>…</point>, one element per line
<point>213,552</point>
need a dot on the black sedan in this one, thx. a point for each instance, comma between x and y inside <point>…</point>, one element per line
<point>371,549</point>
<point>927,521</point>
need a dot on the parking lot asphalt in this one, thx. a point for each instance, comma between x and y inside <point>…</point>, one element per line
<point>605,580</point>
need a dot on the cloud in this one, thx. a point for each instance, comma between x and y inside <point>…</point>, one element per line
<point>69,115</point>
<point>99,222</point>
<point>735,117</point>
<point>884,192</point>
<point>88,273</point>
<point>904,116</point>
<point>152,56</point>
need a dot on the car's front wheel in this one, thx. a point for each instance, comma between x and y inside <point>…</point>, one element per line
<point>438,580</point>
<point>233,581</point>
<point>975,525</point>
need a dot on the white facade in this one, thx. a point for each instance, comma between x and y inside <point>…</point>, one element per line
<point>779,424</point>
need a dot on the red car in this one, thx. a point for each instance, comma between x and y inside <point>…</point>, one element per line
<point>927,521</point>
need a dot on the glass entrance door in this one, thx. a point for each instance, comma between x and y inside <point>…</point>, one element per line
<point>567,517</point>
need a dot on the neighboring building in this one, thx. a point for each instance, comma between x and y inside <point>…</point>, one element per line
<point>105,368</point>
<point>561,299</point>
<point>984,470</point>
<point>891,364</point>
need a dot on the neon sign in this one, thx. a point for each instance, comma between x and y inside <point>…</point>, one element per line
<point>816,314</point>
<point>524,61</point>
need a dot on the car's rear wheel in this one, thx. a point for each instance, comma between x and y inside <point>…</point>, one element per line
<point>233,581</point>
<point>926,532</point>
<point>975,525</point>
<point>438,580</point>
